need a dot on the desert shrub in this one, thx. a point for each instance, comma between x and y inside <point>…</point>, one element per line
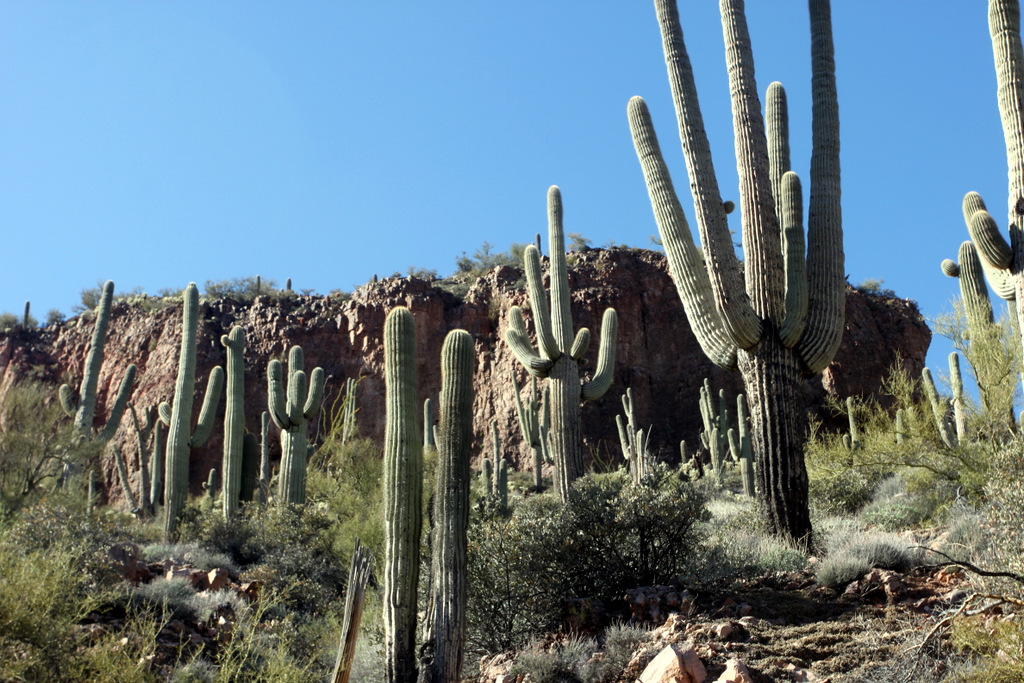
<point>739,546</point>
<point>54,316</point>
<point>171,598</point>
<point>471,268</point>
<point>893,507</point>
<point>559,662</point>
<point>37,441</point>
<point>609,537</point>
<point>997,646</point>
<point>189,553</point>
<point>293,548</point>
<point>851,556</point>
<point>1003,519</point>
<point>620,642</point>
<point>50,579</point>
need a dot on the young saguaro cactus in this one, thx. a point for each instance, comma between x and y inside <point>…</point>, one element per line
<point>560,352</point>
<point>292,414</point>
<point>83,406</point>
<point>531,420</point>
<point>181,439</point>
<point>234,419</point>
<point>781,317</point>
<point>403,497</point>
<point>442,653</point>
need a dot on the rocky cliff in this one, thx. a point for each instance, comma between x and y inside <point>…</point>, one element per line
<point>656,355</point>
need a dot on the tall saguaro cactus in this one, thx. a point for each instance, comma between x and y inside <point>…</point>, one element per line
<point>234,419</point>
<point>83,407</point>
<point>443,649</point>
<point>403,496</point>
<point>1003,261</point>
<point>780,317</point>
<point>292,414</point>
<point>181,439</point>
<point>559,351</point>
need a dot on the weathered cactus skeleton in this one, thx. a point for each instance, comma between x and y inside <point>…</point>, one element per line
<point>781,317</point>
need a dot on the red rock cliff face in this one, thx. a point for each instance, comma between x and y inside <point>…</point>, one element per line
<point>656,354</point>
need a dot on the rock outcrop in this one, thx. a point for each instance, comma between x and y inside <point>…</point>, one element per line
<point>656,353</point>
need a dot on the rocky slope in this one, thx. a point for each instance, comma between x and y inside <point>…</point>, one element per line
<point>657,355</point>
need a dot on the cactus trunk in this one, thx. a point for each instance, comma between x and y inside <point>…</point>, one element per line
<point>234,419</point>
<point>403,497</point>
<point>443,649</point>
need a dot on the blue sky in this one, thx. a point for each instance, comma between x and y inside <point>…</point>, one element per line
<point>160,143</point>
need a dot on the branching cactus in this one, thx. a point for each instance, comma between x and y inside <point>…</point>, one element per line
<point>560,352</point>
<point>291,414</point>
<point>403,496</point>
<point>147,463</point>
<point>714,438</point>
<point>531,419</point>
<point>83,406</point>
<point>780,317</point>
<point>122,475</point>
<point>634,442</point>
<point>234,419</point>
<point>181,439</point>
<point>443,649</point>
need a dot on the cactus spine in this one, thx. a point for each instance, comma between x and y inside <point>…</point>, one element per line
<point>180,437</point>
<point>559,352</point>
<point>782,316</point>
<point>234,419</point>
<point>291,414</point>
<point>443,649</point>
<point>403,497</point>
<point>83,407</point>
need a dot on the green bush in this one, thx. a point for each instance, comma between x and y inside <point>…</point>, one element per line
<point>609,537</point>
<point>241,289</point>
<point>852,555</point>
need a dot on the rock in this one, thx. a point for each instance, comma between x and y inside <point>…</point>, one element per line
<point>723,630</point>
<point>956,596</point>
<point>677,663</point>
<point>218,579</point>
<point>199,579</point>
<point>735,672</point>
<point>800,675</point>
<point>656,353</point>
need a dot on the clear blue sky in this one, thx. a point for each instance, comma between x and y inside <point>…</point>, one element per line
<point>157,143</point>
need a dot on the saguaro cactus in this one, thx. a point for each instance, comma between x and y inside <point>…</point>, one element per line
<point>83,407</point>
<point>443,649</point>
<point>403,497</point>
<point>533,424</point>
<point>1002,261</point>
<point>559,352</point>
<point>779,318</point>
<point>234,419</point>
<point>292,415</point>
<point>181,439</point>
<point>634,442</point>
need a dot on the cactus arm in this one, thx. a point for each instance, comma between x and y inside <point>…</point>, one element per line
<point>991,244</point>
<point>796,267</point>
<point>686,260</point>
<point>740,322</point>
<point>403,491</point>
<point>760,224</point>
<point>163,412</point>
<point>214,388</point>
<point>602,380</point>
<point>1004,28</point>
<point>973,291</point>
<point>519,342</point>
<point>156,465</point>
<point>276,396</point>
<point>959,403</point>
<point>526,422</point>
<point>627,454</point>
<point>297,386</point>
<point>117,411</point>
<point>580,344</point>
<point>538,301</point>
<point>1000,279</point>
<point>561,312</point>
<point>826,265</point>
<point>776,114</point>
<point>315,395</point>
<point>67,400</point>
